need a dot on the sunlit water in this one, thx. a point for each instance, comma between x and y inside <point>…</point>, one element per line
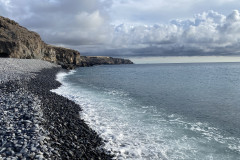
<point>161,111</point>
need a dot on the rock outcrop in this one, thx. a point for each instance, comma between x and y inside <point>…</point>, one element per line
<point>18,42</point>
<point>86,61</point>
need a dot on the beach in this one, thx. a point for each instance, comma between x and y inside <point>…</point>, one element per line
<point>37,123</point>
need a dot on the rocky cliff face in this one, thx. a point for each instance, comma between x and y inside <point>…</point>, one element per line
<point>18,42</point>
<point>99,60</point>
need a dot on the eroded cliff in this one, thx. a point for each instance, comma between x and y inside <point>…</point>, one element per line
<point>18,42</point>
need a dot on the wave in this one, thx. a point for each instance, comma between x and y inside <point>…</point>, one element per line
<point>134,131</point>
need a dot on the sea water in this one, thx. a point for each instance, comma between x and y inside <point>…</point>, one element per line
<point>161,111</point>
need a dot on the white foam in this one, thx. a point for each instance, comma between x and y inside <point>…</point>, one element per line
<point>61,75</point>
<point>132,131</point>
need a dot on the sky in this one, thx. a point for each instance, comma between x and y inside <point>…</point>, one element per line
<point>133,27</point>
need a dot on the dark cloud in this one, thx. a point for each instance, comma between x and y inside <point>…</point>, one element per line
<point>86,25</point>
<point>209,33</point>
<point>61,22</point>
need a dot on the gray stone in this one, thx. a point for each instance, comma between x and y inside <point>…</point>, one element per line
<point>33,149</point>
<point>40,156</point>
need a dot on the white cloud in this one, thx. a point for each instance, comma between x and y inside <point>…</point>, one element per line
<point>61,22</point>
<point>87,26</point>
<point>152,11</point>
<point>207,33</point>
<point>5,6</point>
<point>92,21</point>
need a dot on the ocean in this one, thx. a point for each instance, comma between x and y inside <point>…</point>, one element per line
<point>188,111</point>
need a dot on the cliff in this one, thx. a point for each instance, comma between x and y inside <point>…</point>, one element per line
<point>18,42</point>
<point>86,61</point>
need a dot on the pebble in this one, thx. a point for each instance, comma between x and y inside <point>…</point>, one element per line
<point>39,156</point>
<point>33,149</point>
<point>34,120</point>
<point>20,110</point>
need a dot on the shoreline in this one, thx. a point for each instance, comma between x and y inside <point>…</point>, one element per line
<point>59,133</point>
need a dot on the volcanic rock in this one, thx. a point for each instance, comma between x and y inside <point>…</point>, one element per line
<point>18,42</point>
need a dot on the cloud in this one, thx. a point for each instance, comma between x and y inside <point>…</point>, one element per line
<point>161,11</point>
<point>61,22</point>
<point>4,7</point>
<point>209,33</point>
<point>88,27</point>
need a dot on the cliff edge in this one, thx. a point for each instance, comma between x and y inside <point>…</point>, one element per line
<point>18,42</point>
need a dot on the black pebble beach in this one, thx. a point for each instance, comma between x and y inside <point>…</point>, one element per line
<point>68,135</point>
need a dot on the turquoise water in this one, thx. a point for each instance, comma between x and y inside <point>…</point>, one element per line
<point>161,111</point>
